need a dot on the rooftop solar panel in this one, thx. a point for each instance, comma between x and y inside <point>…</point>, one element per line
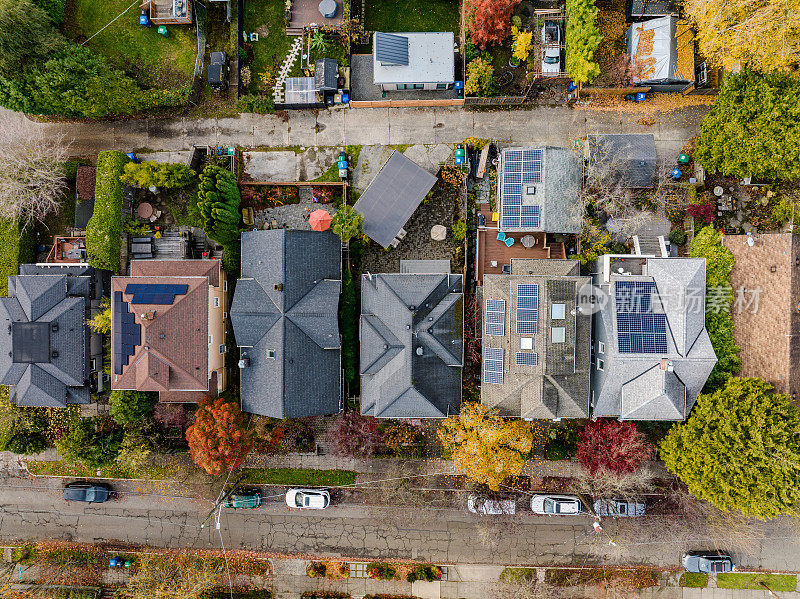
<point>640,330</point>
<point>495,317</point>
<point>527,309</point>
<point>493,365</point>
<point>520,168</point>
<point>527,358</point>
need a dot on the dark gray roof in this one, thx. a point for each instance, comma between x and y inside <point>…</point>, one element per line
<point>391,49</point>
<point>411,345</point>
<point>285,319</point>
<point>392,197</point>
<point>43,339</point>
<point>632,154</point>
<point>326,73</point>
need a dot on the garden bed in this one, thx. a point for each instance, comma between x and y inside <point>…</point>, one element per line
<point>638,578</point>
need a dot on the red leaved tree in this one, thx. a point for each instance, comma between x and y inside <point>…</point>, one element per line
<point>354,435</point>
<point>607,445</point>
<point>489,21</point>
<point>219,439</point>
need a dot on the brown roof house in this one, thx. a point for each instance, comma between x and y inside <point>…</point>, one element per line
<point>168,328</point>
<point>766,314</point>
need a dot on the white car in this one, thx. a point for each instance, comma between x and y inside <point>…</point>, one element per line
<point>490,507</point>
<point>555,505</point>
<point>551,52</point>
<point>308,499</point>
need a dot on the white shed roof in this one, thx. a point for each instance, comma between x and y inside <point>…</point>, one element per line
<point>430,60</point>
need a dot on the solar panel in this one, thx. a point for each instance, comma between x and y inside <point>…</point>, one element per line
<point>127,334</point>
<point>639,329</point>
<point>527,358</point>
<point>520,168</point>
<point>495,316</point>
<point>530,216</point>
<point>527,309</point>
<point>493,365</point>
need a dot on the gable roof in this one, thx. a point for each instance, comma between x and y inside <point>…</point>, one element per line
<point>540,342</point>
<point>411,337</point>
<point>178,268</point>
<point>392,197</point>
<point>285,319</point>
<point>633,155</point>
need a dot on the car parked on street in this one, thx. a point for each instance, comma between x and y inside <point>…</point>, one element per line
<point>490,507</point>
<point>243,499</point>
<point>711,561</point>
<point>308,499</point>
<point>218,71</point>
<point>551,49</point>
<point>87,492</point>
<point>555,505</point>
<point>618,508</point>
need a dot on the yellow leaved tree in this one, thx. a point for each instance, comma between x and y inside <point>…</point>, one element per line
<point>523,40</point>
<point>485,446</point>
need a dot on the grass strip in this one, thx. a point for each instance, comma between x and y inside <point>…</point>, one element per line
<point>302,477</point>
<point>694,580</point>
<point>756,581</point>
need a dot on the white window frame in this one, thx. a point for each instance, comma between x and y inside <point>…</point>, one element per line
<point>601,364</point>
<point>216,302</point>
<point>272,357</point>
<point>601,347</point>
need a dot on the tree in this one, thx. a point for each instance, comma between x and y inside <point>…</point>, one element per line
<point>101,322</point>
<point>606,445</point>
<point>740,449</point>
<point>354,435</point>
<point>523,40</point>
<point>218,201</point>
<point>159,174</point>
<point>489,21</point>
<point>763,36</point>
<point>134,452</point>
<point>92,442</point>
<point>582,39</point>
<point>485,446</point>
<point>480,78</point>
<point>32,180</point>
<point>174,576</point>
<point>27,37</point>
<point>753,127</point>
<point>347,223</point>
<point>131,407</point>
<point>219,439</point>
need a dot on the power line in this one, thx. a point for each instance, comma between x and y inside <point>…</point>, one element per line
<point>135,2</point>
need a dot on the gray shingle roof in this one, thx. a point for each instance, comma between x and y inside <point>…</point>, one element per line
<point>285,319</point>
<point>411,345</point>
<point>632,154</point>
<point>326,74</point>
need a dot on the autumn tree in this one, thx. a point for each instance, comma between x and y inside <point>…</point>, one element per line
<point>480,78</point>
<point>740,449</point>
<point>219,439</point>
<point>484,445</point>
<point>354,435</point>
<point>582,40</point>
<point>606,445</point>
<point>523,41</point>
<point>101,321</point>
<point>489,21</point>
<point>763,36</point>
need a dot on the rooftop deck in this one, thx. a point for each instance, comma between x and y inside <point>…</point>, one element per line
<point>494,254</point>
<point>67,250</point>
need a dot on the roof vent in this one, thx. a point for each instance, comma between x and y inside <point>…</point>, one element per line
<point>54,353</point>
<point>408,326</point>
<point>412,308</point>
<point>244,362</point>
<point>420,351</point>
<point>773,268</point>
<point>385,346</point>
<point>430,318</point>
<point>161,336</point>
<point>54,327</point>
<point>278,287</point>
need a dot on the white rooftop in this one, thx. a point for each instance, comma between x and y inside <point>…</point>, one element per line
<point>430,60</point>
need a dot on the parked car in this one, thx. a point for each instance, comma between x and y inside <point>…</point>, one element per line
<point>218,71</point>
<point>618,508</point>
<point>308,499</point>
<point>709,561</point>
<point>551,52</point>
<point>555,505</point>
<point>87,492</point>
<point>244,498</point>
<point>490,507</point>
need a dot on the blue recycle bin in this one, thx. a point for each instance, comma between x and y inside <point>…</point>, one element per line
<point>676,173</point>
<point>640,96</point>
<point>346,97</point>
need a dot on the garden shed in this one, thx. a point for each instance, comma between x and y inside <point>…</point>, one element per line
<point>662,53</point>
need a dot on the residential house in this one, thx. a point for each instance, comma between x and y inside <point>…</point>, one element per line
<point>168,328</point>
<point>413,61</point>
<point>631,157</point>
<point>766,283</point>
<point>285,318</point>
<point>651,352</point>
<point>49,357</point>
<point>536,340</point>
<point>412,336</point>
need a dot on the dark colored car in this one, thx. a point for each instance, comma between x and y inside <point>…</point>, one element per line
<point>243,498</point>
<point>708,562</point>
<point>87,492</point>
<point>218,71</point>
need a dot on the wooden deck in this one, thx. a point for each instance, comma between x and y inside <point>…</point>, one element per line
<point>494,254</point>
<point>68,250</point>
<point>306,12</point>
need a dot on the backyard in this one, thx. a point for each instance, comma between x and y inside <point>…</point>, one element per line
<point>265,17</point>
<point>156,61</point>
<point>412,15</point>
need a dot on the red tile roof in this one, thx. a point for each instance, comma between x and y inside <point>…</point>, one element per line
<point>178,268</point>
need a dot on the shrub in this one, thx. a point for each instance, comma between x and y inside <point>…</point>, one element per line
<point>582,39</point>
<point>562,441</point>
<point>219,439</point>
<point>131,407</point>
<point>255,103</point>
<point>400,436</point>
<point>53,8</point>
<point>159,174</point>
<point>380,571</point>
<point>104,231</point>
<point>428,573</point>
<point>480,78</point>
<point>705,212</point>
<point>607,445</point>
<point>16,247</point>
<point>354,435</point>
<point>347,223</point>
<point>91,442</point>
<point>459,231</point>
<point>218,201</point>
<point>167,414</point>
<point>316,570</point>
<point>677,237</point>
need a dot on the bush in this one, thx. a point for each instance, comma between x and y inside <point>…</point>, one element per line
<point>607,445</point>
<point>400,437</point>
<point>459,231</point>
<point>16,247</point>
<point>381,571</point>
<point>53,8</point>
<point>218,201</point>
<point>131,407</point>
<point>255,103</point>
<point>677,237</point>
<point>167,415</point>
<point>562,441</point>
<point>428,573</point>
<point>354,435</point>
<point>316,570</point>
<point>159,174</point>
<point>27,442</point>
<point>705,212</point>
<point>347,223</point>
<point>91,442</point>
<point>480,78</point>
<point>104,231</point>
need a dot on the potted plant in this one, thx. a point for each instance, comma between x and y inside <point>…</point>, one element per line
<point>513,61</point>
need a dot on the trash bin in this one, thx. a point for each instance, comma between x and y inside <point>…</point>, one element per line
<point>640,96</point>
<point>676,173</point>
<point>683,158</point>
<point>112,563</point>
<point>162,30</point>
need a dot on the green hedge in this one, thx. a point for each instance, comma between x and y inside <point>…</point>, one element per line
<point>16,247</point>
<point>104,231</point>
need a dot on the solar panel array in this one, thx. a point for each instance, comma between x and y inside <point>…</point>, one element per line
<point>127,333</point>
<point>639,329</point>
<point>527,309</point>
<point>520,169</point>
<point>493,365</point>
<point>527,358</point>
<point>495,317</point>
<point>149,293</point>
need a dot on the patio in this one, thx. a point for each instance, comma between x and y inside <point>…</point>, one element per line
<point>306,13</point>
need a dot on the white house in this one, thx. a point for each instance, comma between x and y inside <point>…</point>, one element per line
<point>404,61</point>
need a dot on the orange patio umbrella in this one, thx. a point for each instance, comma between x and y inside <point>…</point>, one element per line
<point>320,220</point>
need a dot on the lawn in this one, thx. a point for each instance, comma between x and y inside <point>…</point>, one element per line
<point>412,15</point>
<point>154,60</point>
<point>694,580</point>
<point>112,471</point>
<point>266,17</point>
<point>753,580</point>
<point>517,575</point>
<point>299,477</point>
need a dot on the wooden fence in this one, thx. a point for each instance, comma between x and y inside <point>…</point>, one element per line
<point>405,103</point>
<point>496,101</point>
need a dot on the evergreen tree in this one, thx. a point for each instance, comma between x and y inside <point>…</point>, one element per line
<point>218,201</point>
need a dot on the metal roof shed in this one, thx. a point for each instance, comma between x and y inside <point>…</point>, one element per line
<point>392,197</point>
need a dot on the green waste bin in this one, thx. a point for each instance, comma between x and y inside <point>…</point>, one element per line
<point>683,159</point>
<point>162,30</point>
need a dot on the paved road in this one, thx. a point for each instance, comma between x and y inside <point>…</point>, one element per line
<point>31,511</point>
<point>556,126</point>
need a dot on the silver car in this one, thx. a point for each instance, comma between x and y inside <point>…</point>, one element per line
<point>708,562</point>
<point>618,508</point>
<point>308,499</point>
<point>551,51</point>
<point>490,507</point>
<point>555,505</point>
